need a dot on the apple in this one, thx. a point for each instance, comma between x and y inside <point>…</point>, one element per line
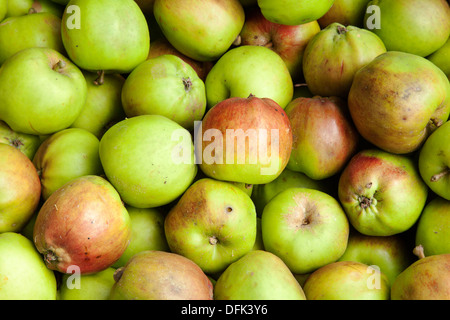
<point>51,88</point>
<point>347,280</point>
<point>434,161</point>
<point>27,143</point>
<point>306,228</point>
<point>324,137</point>
<point>441,58</point>
<point>258,275</point>
<point>346,12</point>
<point>149,159</point>
<point>246,70</point>
<point>110,36</point>
<point>84,224</point>
<point>288,41</point>
<point>22,7</point>
<point>65,155</point>
<point>3,9</point>
<point>160,275</point>
<point>201,30</point>
<point>294,12</point>
<point>396,100</point>
<point>23,274</point>
<point>382,193</point>
<point>213,224</point>
<point>173,90</point>
<point>233,122</point>
<point>411,26</point>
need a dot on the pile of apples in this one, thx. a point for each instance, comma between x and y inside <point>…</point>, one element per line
<point>224,150</point>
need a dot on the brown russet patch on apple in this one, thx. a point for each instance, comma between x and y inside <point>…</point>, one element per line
<point>302,214</point>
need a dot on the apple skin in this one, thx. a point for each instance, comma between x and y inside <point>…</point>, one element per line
<point>346,12</point>
<point>202,30</point>
<point>288,41</point>
<point>51,88</point>
<point>21,189</point>
<point>173,90</point>
<point>246,70</point>
<point>83,223</point>
<point>244,161</point>
<point>346,280</point>
<point>138,158</point>
<point>434,161</point>
<point>441,58</point>
<point>306,228</point>
<point>27,143</point>
<point>24,274</point>
<point>426,279</point>
<point>258,275</point>
<point>113,35</point>
<point>22,7</point>
<point>3,9</point>
<point>324,137</point>
<point>213,224</point>
<point>382,193</point>
<point>397,100</point>
<point>412,26</point>
<point>294,12</point>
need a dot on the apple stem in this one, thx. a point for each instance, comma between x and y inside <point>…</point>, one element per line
<point>440,175</point>
<point>118,273</point>
<point>100,79</point>
<point>419,251</point>
<point>59,65</point>
<point>269,45</point>
<point>237,41</point>
<point>436,122</point>
<point>298,85</point>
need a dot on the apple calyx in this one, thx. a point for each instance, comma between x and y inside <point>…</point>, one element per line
<point>419,251</point>
<point>213,240</point>
<point>341,29</point>
<point>17,143</point>
<point>187,82</point>
<point>440,175</point>
<point>118,273</point>
<point>59,65</point>
<point>100,79</point>
<point>51,258</point>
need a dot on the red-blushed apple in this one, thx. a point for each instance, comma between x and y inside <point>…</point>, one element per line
<point>382,193</point>
<point>346,12</point>
<point>324,137</point>
<point>27,143</point>
<point>83,224</point>
<point>252,140</point>
<point>288,41</point>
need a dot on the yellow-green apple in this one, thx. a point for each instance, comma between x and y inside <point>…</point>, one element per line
<point>335,54</point>
<point>27,143</point>
<point>212,224</point>
<point>85,224</point>
<point>22,7</point>
<point>168,86</point>
<point>258,275</point>
<point>441,58</point>
<point>426,279</point>
<point>32,30</point>
<point>21,189</point>
<point>247,70</point>
<point>347,280</point>
<point>382,193</point>
<point>324,137</point>
<point>294,12</point>
<point>245,140</point>
<point>433,227</point>
<point>202,30</point>
<point>23,274</point>
<point>397,99</point>
<point>306,228</point>
<point>3,9</point>
<point>412,26</point>
<point>41,91</point>
<point>160,275</point>
<point>288,41</point>
<point>111,36</point>
<point>346,12</point>
<point>149,159</point>
<point>65,155</point>
<point>434,161</point>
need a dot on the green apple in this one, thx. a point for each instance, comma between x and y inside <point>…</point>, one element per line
<point>147,233</point>
<point>168,86</point>
<point>382,193</point>
<point>433,227</point>
<point>20,189</point>
<point>23,274</point>
<point>306,228</point>
<point>411,26</point>
<point>3,9</point>
<point>213,224</point>
<point>441,58</point>
<point>434,161</point>
<point>247,70</point>
<point>346,12</point>
<point>96,286</point>
<point>347,280</point>
<point>201,30</point>
<point>105,35</point>
<point>67,154</point>
<point>258,275</point>
<point>149,159</point>
<point>27,143</point>
<point>41,91</point>
<point>22,7</point>
<point>294,12</point>
<point>103,106</point>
